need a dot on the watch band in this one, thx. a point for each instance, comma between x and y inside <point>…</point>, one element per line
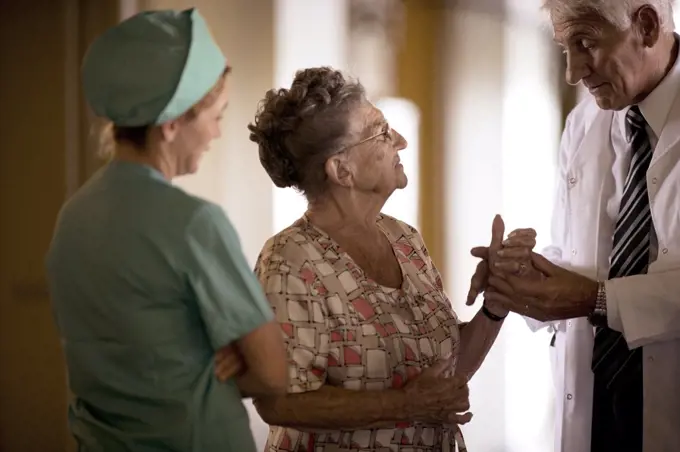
<point>599,315</point>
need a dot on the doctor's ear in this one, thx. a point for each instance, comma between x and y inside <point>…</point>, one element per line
<point>648,25</point>
<point>340,170</point>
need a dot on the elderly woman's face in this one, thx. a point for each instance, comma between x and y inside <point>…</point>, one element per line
<point>374,158</point>
<point>609,62</point>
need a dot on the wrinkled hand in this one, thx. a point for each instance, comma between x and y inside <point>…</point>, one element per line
<point>512,255</point>
<point>436,397</point>
<point>553,294</point>
<point>228,363</point>
<point>515,255</point>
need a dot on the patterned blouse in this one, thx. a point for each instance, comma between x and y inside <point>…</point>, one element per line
<point>343,329</point>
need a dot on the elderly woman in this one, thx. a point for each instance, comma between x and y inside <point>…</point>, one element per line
<point>148,281</point>
<point>378,360</point>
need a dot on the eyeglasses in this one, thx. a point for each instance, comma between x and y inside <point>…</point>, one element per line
<point>386,132</point>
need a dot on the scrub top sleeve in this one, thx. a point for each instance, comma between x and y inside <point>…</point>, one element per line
<point>229,296</point>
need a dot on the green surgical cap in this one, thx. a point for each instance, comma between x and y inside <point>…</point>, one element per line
<point>151,68</point>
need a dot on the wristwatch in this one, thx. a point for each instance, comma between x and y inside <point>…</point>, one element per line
<point>599,315</point>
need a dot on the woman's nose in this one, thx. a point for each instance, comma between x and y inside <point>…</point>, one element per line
<point>400,141</point>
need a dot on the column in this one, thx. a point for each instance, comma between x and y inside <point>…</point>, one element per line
<point>420,76</point>
<point>376,34</point>
<point>502,122</point>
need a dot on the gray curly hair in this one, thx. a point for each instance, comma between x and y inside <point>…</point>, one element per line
<point>616,12</point>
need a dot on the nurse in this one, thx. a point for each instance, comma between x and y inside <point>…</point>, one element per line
<point>147,281</point>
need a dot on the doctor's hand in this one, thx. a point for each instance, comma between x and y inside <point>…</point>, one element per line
<point>228,363</point>
<point>553,294</point>
<point>514,256</point>
<point>511,255</point>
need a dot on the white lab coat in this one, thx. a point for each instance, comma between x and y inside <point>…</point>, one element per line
<point>646,308</point>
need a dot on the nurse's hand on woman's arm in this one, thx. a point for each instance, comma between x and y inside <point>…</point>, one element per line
<point>263,362</point>
<point>228,363</point>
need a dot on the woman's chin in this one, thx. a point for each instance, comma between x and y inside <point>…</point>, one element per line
<point>402,180</point>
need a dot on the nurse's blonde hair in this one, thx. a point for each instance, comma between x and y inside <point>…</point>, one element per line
<point>616,12</point>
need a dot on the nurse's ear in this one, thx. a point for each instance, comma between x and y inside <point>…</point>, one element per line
<point>170,129</point>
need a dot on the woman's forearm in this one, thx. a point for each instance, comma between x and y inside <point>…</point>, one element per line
<point>331,408</point>
<point>476,339</point>
<point>251,386</point>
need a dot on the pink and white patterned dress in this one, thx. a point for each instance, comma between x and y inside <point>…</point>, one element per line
<point>343,329</point>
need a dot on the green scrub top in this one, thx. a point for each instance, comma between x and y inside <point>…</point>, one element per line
<point>147,282</point>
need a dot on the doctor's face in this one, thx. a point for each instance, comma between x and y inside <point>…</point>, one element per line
<point>611,63</point>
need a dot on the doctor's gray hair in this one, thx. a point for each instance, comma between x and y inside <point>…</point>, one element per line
<point>616,12</point>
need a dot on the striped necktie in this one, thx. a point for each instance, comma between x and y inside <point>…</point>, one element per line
<point>617,370</point>
<point>630,253</point>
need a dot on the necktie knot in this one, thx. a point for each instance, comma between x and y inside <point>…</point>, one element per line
<point>635,123</point>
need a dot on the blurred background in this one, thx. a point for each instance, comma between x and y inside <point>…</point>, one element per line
<point>475,86</point>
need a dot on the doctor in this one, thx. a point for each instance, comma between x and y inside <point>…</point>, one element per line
<point>609,286</point>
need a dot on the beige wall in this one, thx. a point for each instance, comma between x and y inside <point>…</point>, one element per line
<point>41,161</point>
<point>32,384</point>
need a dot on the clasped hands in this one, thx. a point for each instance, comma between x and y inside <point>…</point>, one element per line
<point>515,278</point>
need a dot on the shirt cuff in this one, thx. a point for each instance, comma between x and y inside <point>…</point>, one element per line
<point>613,314</point>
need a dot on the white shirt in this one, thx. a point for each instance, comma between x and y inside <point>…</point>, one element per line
<point>594,162</point>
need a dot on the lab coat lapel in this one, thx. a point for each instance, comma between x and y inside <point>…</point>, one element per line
<point>669,135</point>
<point>590,167</point>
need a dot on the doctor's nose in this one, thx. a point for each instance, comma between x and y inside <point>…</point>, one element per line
<point>577,68</point>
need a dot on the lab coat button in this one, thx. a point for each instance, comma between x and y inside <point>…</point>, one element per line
<point>650,359</point>
<point>569,397</point>
<point>573,252</point>
<point>664,251</point>
<point>572,181</point>
<point>655,180</point>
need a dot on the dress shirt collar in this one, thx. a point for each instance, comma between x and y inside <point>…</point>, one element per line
<point>656,106</point>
